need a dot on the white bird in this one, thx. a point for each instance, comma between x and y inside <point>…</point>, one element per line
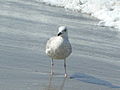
<point>59,47</point>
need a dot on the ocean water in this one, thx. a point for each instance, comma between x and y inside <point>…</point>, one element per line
<point>108,11</point>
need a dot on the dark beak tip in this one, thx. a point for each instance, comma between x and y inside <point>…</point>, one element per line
<point>59,34</point>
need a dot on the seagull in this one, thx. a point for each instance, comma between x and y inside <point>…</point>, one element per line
<point>59,47</point>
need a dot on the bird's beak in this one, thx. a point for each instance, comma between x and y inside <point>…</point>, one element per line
<point>59,33</point>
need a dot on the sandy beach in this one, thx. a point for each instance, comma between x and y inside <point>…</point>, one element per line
<point>25,27</point>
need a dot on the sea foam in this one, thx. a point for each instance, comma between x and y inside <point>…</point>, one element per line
<point>107,11</point>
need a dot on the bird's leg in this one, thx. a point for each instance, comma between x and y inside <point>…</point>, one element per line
<point>65,67</point>
<point>52,64</point>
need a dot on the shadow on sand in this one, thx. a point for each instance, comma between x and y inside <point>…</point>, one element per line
<point>93,80</point>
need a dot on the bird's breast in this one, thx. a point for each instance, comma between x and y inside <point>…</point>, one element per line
<point>59,48</point>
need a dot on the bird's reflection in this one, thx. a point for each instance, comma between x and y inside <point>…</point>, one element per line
<point>56,83</point>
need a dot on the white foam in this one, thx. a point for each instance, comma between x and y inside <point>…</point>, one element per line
<point>108,11</point>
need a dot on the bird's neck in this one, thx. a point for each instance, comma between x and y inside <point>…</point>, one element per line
<point>65,37</point>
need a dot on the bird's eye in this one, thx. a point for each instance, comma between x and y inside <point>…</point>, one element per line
<point>65,30</point>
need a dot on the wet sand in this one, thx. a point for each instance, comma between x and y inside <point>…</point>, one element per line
<point>25,26</point>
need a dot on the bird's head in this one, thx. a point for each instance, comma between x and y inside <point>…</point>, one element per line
<point>62,31</point>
